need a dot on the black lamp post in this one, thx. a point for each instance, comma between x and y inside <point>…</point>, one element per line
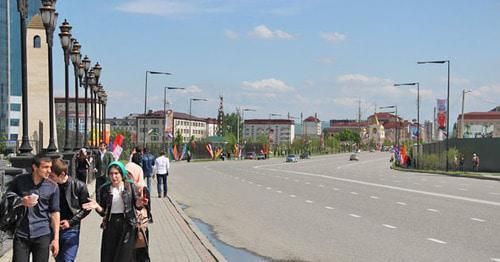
<point>396,122</point>
<point>100,92</point>
<point>97,72</point>
<point>165,108</point>
<point>86,67</point>
<point>81,73</point>
<point>76,59</point>
<point>25,148</point>
<point>146,99</point>
<point>190,116</point>
<point>447,107</point>
<point>104,100</point>
<point>49,19</point>
<point>418,115</point>
<point>66,43</point>
<point>91,83</point>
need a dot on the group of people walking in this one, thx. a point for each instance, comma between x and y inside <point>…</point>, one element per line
<point>54,203</point>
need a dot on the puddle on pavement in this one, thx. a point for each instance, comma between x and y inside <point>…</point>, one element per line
<point>232,254</point>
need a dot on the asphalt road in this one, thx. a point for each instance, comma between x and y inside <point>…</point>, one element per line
<point>330,209</point>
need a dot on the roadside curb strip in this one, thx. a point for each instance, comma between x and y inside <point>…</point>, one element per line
<point>203,239</point>
<point>446,174</point>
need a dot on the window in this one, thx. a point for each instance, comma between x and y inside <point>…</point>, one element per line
<point>37,42</point>
<point>15,107</point>
<point>14,122</point>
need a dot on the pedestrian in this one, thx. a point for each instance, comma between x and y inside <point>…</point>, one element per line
<point>135,173</point>
<point>82,165</point>
<point>162,164</point>
<point>73,194</point>
<point>148,161</point>
<point>461,162</point>
<point>117,201</point>
<point>137,156</point>
<point>475,162</point>
<point>132,152</point>
<point>189,156</point>
<point>39,227</point>
<point>104,158</point>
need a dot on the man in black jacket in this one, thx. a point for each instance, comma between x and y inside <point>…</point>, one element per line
<point>73,194</point>
<point>103,158</point>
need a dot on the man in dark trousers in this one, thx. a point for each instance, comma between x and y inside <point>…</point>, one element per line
<point>40,196</point>
<point>148,161</point>
<point>104,157</point>
<point>73,194</point>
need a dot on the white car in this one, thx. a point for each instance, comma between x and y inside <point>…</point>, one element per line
<point>354,156</point>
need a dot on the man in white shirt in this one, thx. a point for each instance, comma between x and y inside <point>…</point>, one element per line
<point>162,164</point>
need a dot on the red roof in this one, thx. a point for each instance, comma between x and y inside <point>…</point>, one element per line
<point>312,119</point>
<point>268,122</point>
<point>480,115</point>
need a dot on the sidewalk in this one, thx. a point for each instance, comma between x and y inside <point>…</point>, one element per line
<point>173,236</point>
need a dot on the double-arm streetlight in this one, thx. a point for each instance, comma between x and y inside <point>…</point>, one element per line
<point>242,110</point>
<point>146,100</point>
<point>447,106</point>
<point>66,44</point>
<point>165,109</point>
<point>49,19</point>
<point>396,122</point>
<point>190,116</point>
<point>418,115</point>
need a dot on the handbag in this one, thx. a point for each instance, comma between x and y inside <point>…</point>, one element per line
<point>141,239</point>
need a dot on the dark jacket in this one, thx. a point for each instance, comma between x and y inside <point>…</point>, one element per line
<point>129,195</point>
<point>148,160</point>
<point>102,165</point>
<point>12,212</point>
<point>76,195</point>
<point>137,158</point>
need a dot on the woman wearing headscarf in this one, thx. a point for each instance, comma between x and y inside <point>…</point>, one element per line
<point>117,201</point>
<point>136,174</point>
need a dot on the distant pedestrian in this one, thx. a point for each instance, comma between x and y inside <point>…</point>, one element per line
<point>162,164</point>
<point>82,165</point>
<point>137,156</point>
<point>189,155</point>
<point>461,162</point>
<point>475,162</point>
<point>103,158</point>
<point>39,227</point>
<point>73,194</point>
<point>117,201</point>
<point>148,161</point>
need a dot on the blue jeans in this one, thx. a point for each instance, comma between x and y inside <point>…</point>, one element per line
<point>147,177</point>
<point>162,180</point>
<point>69,240</point>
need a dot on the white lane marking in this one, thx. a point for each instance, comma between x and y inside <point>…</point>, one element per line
<point>418,184</point>
<point>374,197</point>
<point>493,193</point>
<point>336,189</point>
<point>397,181</point>
<point>279,191</point>
<point>286,178</point>
<point>269,188</point>
<point>432,210</point>
<point>236,177</point>
<point>389,226</point>
<point>259,185</point>
<point>495,259</point>
<point>463,189</point>
<point>242,180</point>
<point>327,207</point>
<point>295,180</point>
<point>321,186</point>
<point>250,182</point>
<point>474,200</point>
<point>308,183</point>
<point>292,196</point>
<point>309,201</point>
<point>438,186</point>
<point>354,193</point>
<point>354,215</point>
<point>477,219</point>
<point>436,240</point>
<point>401,203</point>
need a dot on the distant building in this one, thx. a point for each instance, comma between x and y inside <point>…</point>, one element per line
<point>60,111</point>
<point>312,126</point>
<point>337,126</point>
<point>277,130</point>
<point>480,124</point>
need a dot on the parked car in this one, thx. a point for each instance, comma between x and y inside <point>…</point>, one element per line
<point>304,155</point>
<point>354,156</point>
<point>291,158</point>
<point>372,150</point>
<point>261,156</point>
<point>250,155</point>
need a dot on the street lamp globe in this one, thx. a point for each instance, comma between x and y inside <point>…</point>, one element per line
<point>75,53</point>
<point>91,76</point>
<point>81,70</point>
<point>47,13</point>
<point>86,63</point>
<point>97,70</point>
<point>65,34</point>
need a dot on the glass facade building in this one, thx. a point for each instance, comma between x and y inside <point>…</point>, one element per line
<point>10,65</point>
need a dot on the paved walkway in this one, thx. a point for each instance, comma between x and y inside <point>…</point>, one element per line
<point>173,236</point>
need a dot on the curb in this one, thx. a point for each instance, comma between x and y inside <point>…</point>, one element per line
<point>203,239</point>
<point>437,172</point>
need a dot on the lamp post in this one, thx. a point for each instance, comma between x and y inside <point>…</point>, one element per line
<point>146,99</point>
<point>25,148</point>
<point>91,84</point>
<point>49,19</point>
<point>418,115</point>
<point>97,72</point>
<point>100,93</point>
<point>81,73</point>
<point>66,43</point>
<point>104,101</point>
<point>190,116</point>
<point>242,110</point>
<point>462,125</point>
<point>447,107</point>
<point>270,128</point>
<point>396,122</point>
<point>88,78</point>
<point>76,59</point>
<point>165,108</point>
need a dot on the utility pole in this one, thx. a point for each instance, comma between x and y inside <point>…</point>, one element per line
<point>462,126</point>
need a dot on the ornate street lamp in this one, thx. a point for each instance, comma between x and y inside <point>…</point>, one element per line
<point>104,102</point>
<point>86,66</point>
<point>49,19</point>
<point>76,59</point>
<point>66,44</point>
<point>90,83</point>
<point>94,90</point>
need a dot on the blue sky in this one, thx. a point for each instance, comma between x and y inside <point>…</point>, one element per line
<point>290,56</point>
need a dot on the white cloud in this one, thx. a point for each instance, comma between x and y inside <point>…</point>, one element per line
<point>325,60</point>
<point>157,7</point>
<point>268,85</point>
<point>264,32</point>
<point>359,78</point>
<point>231,34</point>
<point>332,37</point>
<point>192,89</point>
<point>346,101</point>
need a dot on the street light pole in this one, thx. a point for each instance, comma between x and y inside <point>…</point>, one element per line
<point>447,108</point>
<point>462,125</point>
<point>66,44</point>
<point>165,109</point>
<point>86,66</point>
<point>76,60</point>
<point>396,122</point>
<point>418,115</point>
<point>190,116</point>
<point>146,100</point>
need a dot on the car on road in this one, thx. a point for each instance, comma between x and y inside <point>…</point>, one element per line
<point>304,155</point>
<point>250,155</point>
<point>372,150</point>
<point>354,156</point>
<point>291,158</point>
<point>261,156</point>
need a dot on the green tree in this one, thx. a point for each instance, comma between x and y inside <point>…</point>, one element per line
<point>231,124</point>
<point>348,135</point>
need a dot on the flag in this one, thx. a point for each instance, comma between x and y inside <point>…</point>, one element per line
<point>210,151</point>
<point>175,152</point>
<point>117,144</point>
<point>184,149</point>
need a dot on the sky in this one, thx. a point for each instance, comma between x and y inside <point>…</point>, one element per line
<point>288,56</point>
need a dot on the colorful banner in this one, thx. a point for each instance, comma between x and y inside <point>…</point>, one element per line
<point>184,150</point>
<point>169,124</point>
<point>117,146</point>
<point>210,150</point>
<point>441,113</point>
<point>271,136</point>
